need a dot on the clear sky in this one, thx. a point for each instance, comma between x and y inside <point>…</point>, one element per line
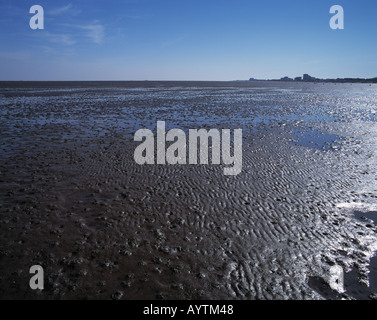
<point>186,40</point>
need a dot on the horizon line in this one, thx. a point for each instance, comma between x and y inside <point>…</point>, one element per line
<point>191,80</point>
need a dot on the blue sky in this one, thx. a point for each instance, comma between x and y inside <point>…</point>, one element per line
<point>186,40</point>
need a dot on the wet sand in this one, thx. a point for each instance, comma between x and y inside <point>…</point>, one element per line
<point>73,200</point>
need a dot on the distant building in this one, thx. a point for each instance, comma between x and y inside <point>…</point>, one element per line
<point>306,77</point>
<point>298,79</point>
<point>286,79</point>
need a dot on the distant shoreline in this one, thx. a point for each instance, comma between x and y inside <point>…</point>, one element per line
<point>340,80</point>
<point>345,80</point>
<point>308,78</point>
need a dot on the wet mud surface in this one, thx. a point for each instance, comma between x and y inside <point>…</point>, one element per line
<point>73,200</point>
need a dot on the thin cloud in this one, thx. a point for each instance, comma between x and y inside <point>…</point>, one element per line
<point>95,32</point>
<point>64,39</point>
<point>50,51</point>
<point>67,9</point>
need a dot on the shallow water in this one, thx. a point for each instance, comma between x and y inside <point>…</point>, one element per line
<point>73,200</point>
<point>316,139</point>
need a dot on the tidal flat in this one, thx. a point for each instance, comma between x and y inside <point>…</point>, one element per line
<point>74,201</point>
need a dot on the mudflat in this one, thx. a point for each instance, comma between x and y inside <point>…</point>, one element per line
<point>74,201</point>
